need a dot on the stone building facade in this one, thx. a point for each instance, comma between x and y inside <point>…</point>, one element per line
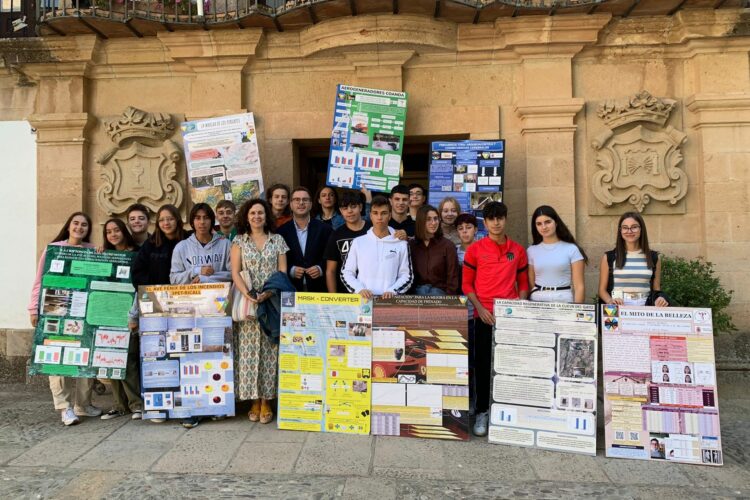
<point>601,113</point>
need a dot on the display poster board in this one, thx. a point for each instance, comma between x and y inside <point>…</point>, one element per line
<point>84,301</point>
<point>186,351</point>
<point>544,369</point>
<point>223,162</point>
<point>324,363</point>
<point>420,367</point>
<point>472,172</point>
<point>367,140</point>
<point>660,398</point>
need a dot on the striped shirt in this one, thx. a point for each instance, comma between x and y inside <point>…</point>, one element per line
<point>635,276</point>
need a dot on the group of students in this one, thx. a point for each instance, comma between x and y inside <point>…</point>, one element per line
<point>375,246</point>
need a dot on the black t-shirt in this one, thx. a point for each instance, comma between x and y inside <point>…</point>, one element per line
<point>407,225</point>
<point>338,247</point>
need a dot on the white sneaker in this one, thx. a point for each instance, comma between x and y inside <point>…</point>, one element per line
<point>69,417</point>
<point>137,415</point>
<point>89,411</point>
<point>480,425</point>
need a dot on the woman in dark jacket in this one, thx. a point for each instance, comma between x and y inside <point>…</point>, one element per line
<point>434,256</point>
<point>152,265</point>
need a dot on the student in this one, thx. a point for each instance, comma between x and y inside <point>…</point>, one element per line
<point>449,210</point>
<point>433,256</point>
<point>306,239</point>
<point>556,261</point>
<point>204,256</point>
<point>278,197</point>
<point>630,274</point>
<point>137,217</point>
<point>153,261</point>
<point>494,268</point>
<point>466,226</point>
<point>71,396</point>
<point>326,207</point>
<point>261,252</point>
<point>400,219</point>
<point>378,263</point>
<point>225,212</point>
<point>116,236</point>
<point>417,198</point>
<point>127,392</point>
<point>351,206</point>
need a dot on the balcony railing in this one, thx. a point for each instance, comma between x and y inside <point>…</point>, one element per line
<point>17,18</point>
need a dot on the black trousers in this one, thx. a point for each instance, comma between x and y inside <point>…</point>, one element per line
<point>482,364</point>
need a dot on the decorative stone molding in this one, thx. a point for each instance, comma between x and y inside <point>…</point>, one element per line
<point>640,163</point>
<point>142,168</point>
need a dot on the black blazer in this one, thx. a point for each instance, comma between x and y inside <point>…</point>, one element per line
<point>317,237</point>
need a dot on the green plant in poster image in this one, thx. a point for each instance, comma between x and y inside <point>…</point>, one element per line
<point>84,301</point>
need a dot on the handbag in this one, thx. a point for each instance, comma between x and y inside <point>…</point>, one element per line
<point>242,308</point>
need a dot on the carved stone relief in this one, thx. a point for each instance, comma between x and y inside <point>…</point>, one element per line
<point>142,168</point>
<point>638,156</point>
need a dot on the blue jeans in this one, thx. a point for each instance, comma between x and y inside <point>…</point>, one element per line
<point>427,289</point>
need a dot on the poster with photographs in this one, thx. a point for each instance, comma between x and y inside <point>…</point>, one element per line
<point>223,162</point>
<point>660,397</point>
<point>472,172</point>
<point>420,367</point>
<point>84,301</point>
<point>367,138</point>
<point>324,363</point>
<point>187,368</point>
<point>544,370</point>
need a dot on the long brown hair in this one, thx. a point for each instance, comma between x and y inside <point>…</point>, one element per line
<point>127,237</point>
<point>621,251</point>
<point>64,234</point>
<point>420,232</point>
<point>159,238</point>
<point>561,230</point>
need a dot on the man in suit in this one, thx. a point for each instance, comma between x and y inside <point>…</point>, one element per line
<point>306,239</point>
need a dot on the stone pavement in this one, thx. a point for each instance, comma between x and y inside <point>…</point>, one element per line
<point>120,458</point>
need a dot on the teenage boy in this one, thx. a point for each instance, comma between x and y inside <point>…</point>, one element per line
<point>225,212</point>
<point>417,198</point>
<point>495,267</point>
<point>137,220</point>
<point>400,220</point>
<point>351,205</point>
<point>204,256</point>
<point>306,239</point>
<point>378,263</point>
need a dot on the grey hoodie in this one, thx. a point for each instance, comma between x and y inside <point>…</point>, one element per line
<point>190,255</point>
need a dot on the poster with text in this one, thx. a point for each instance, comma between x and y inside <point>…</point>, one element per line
<point>660,399</point>
<point>472,172</point>
<point>544,371</point>
<point>367,138</point>
<point>84,301</point>
<point>223,161</point>
<point>420,367</point>
<point>324,363</point>
<point>187,367</point>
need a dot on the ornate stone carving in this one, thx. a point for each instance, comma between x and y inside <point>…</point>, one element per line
<point>142,168</point>
<point>640,163</point>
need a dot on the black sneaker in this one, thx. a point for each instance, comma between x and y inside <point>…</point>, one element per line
<point>191,422</point>
<point>113,414</point>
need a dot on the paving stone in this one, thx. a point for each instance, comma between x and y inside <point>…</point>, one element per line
<point>33,482</point>
<point>90,484</point>
<point>553,466</point>
<point>644,472</point>
<point>201,452</point>
<point>481,460</point>
<point>271,458</point>
<point>145,431</point>
<point>116,455</point>
<point>61,449</point>
<point>352,454</point>
<point>268,433</point>
<point>409,453</point>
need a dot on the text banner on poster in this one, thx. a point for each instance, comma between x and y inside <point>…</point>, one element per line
<point>420,367</point>
<point>660,397</point>
<point>367,140</point>
<point>187,366</point>
<point>222,159</point>
<point>544,376</point>
<point>472,172</point>
<point>84,301</point>
<point>324,363</point>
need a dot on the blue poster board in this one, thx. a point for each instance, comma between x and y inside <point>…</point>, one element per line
<point>472,172</point>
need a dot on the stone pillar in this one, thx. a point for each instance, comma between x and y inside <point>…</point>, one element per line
<point>59,67</point>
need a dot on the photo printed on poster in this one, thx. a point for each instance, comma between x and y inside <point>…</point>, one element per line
<point>544,370</point>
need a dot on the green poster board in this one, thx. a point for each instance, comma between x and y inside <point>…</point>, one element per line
<point>83,314</point>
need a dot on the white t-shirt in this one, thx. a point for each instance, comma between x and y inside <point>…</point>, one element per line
<point>551,263</point>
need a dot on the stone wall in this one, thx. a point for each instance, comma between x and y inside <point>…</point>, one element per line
<point>539,82</point>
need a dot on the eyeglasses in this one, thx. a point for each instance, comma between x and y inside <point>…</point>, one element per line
<point>630,229</point>
<point>167,219</point>
<point>301,200</point>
